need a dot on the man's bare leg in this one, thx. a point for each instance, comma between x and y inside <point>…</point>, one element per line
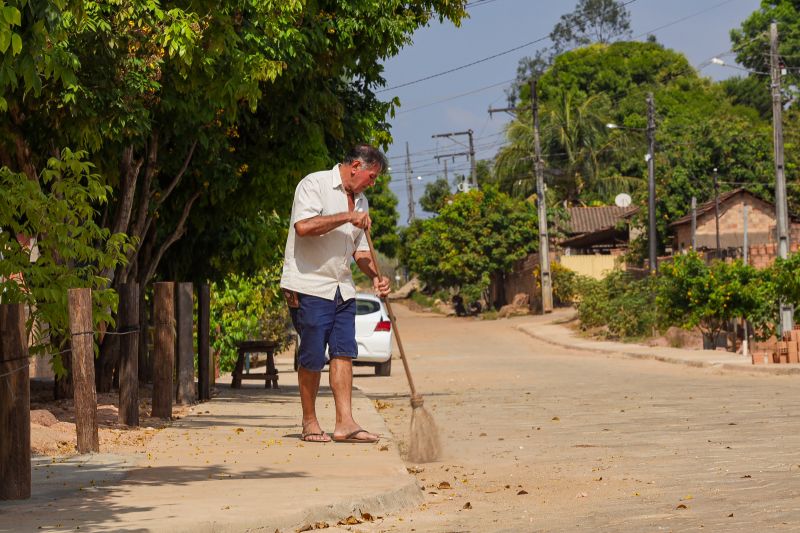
<point>309,386</point>
<point>341,379</point>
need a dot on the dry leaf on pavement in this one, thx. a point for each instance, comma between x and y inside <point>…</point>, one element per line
<point>349,521</point>
<point>444,485</point>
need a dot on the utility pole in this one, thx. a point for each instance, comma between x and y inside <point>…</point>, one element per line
<point>473,179</point>
<point>716,211</point>
<point>781,208</point>
<point>694,224</point>
<point>651,181</point>
<point>446,177</point>
<point>745,244</point>
<point>473,174</point>
<point>544,245</point>
<point>409,187</point>
<point>538,166</point>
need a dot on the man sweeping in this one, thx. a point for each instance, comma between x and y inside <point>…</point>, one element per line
<point>329,217</point>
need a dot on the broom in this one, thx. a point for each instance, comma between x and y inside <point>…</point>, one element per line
<point>424,436</point>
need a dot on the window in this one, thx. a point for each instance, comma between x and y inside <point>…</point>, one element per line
<point>366,307</point>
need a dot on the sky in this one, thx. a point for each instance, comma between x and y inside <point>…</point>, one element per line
<point>459,101</point>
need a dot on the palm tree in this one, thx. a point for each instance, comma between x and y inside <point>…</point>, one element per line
<point>575,145</point>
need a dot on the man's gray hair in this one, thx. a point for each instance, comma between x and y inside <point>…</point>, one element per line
<point>369,155</point>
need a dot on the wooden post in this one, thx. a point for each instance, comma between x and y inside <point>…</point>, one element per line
<point>82,335</point>
<point>129,354</point>
<point>204,368</point>
<point>15,405</point>
<point>184,309</point>
<point>164,348</point>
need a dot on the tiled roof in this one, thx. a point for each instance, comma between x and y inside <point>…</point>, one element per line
<point>589,219</point>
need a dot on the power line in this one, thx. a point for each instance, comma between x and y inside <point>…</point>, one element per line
<point>682,19</point>
<point>479,61</point>
<point>454,97</point>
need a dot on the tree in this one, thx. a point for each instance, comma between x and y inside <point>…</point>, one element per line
<point>59,208</point>
<point>201,117</point>
<point>592,21</point>
<point>691,293</point>
<point>383,212</point>
<point>435,196</point>
<point>480,234</point>
<point>751,41</point>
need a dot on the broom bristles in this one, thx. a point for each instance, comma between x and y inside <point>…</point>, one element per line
<point>425,446</point>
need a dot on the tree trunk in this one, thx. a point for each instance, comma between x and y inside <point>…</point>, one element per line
<point>62,389</point>
<point>106,362</point>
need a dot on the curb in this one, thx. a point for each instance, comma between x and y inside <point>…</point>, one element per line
<point>771,370</point>
<point>401,498</point>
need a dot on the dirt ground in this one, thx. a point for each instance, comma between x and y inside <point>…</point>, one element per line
<point>540,438</point>
<point>53,423</point>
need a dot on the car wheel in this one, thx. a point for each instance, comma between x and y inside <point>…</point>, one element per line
<point>384,369</point>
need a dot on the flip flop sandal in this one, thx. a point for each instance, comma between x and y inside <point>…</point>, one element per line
<point>351,438</point>
<point>305,437</point>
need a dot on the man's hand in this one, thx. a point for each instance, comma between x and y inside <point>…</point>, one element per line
<point>381,286</point>
<point>360,219</point>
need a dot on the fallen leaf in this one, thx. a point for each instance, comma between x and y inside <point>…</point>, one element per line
<point>746,476</point>
<point>520,493</point>
<point>687,497</point>
<point>730,515</point>
<point>239,430</point>
<point>467,506</point>
<point>482,435</point>
<point>368,517</point>
<point>444,485</point>
<point>384,448</point>
<point>681,506</point>
<point>349,521</point>
<point>555,418</point>
<point>414,469</point>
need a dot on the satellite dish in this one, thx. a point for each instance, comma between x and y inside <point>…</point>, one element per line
<point>622,200</point>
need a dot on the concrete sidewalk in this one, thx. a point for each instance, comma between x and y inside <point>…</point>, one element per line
<point>233,464</point>
<point>551,329</point>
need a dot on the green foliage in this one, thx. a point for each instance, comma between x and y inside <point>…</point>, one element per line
<point>751,40</point>
<point>383,212</point>
<point>592,21</point>
<point>479,234</point>
<point>785,274</point>
<point>435,195</point>
<point>694,294</point>
<point>619,302</point>
<point>247,308</point>
<point>59,210</point>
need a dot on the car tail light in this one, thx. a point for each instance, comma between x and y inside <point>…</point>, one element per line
<point>383,325</point>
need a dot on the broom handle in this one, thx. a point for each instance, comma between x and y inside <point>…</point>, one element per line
<point>392,318</point>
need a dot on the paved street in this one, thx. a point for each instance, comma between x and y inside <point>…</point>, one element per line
<point>542,438</point>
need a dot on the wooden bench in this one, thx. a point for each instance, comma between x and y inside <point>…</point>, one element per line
<point>270,377</point>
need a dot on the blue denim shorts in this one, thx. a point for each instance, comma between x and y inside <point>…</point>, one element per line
<point>322,323</point>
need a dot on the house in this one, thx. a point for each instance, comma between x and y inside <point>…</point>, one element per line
<point>761,226</point>
<point>596,237</point>
<point>596,230</point>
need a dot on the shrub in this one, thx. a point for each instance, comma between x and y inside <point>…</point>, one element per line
<point>245,308</point>
<point>619,302</point>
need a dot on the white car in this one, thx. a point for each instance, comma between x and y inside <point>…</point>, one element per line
<point>373,335</point>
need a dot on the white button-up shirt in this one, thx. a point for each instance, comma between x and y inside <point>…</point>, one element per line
<point>318,265</point>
